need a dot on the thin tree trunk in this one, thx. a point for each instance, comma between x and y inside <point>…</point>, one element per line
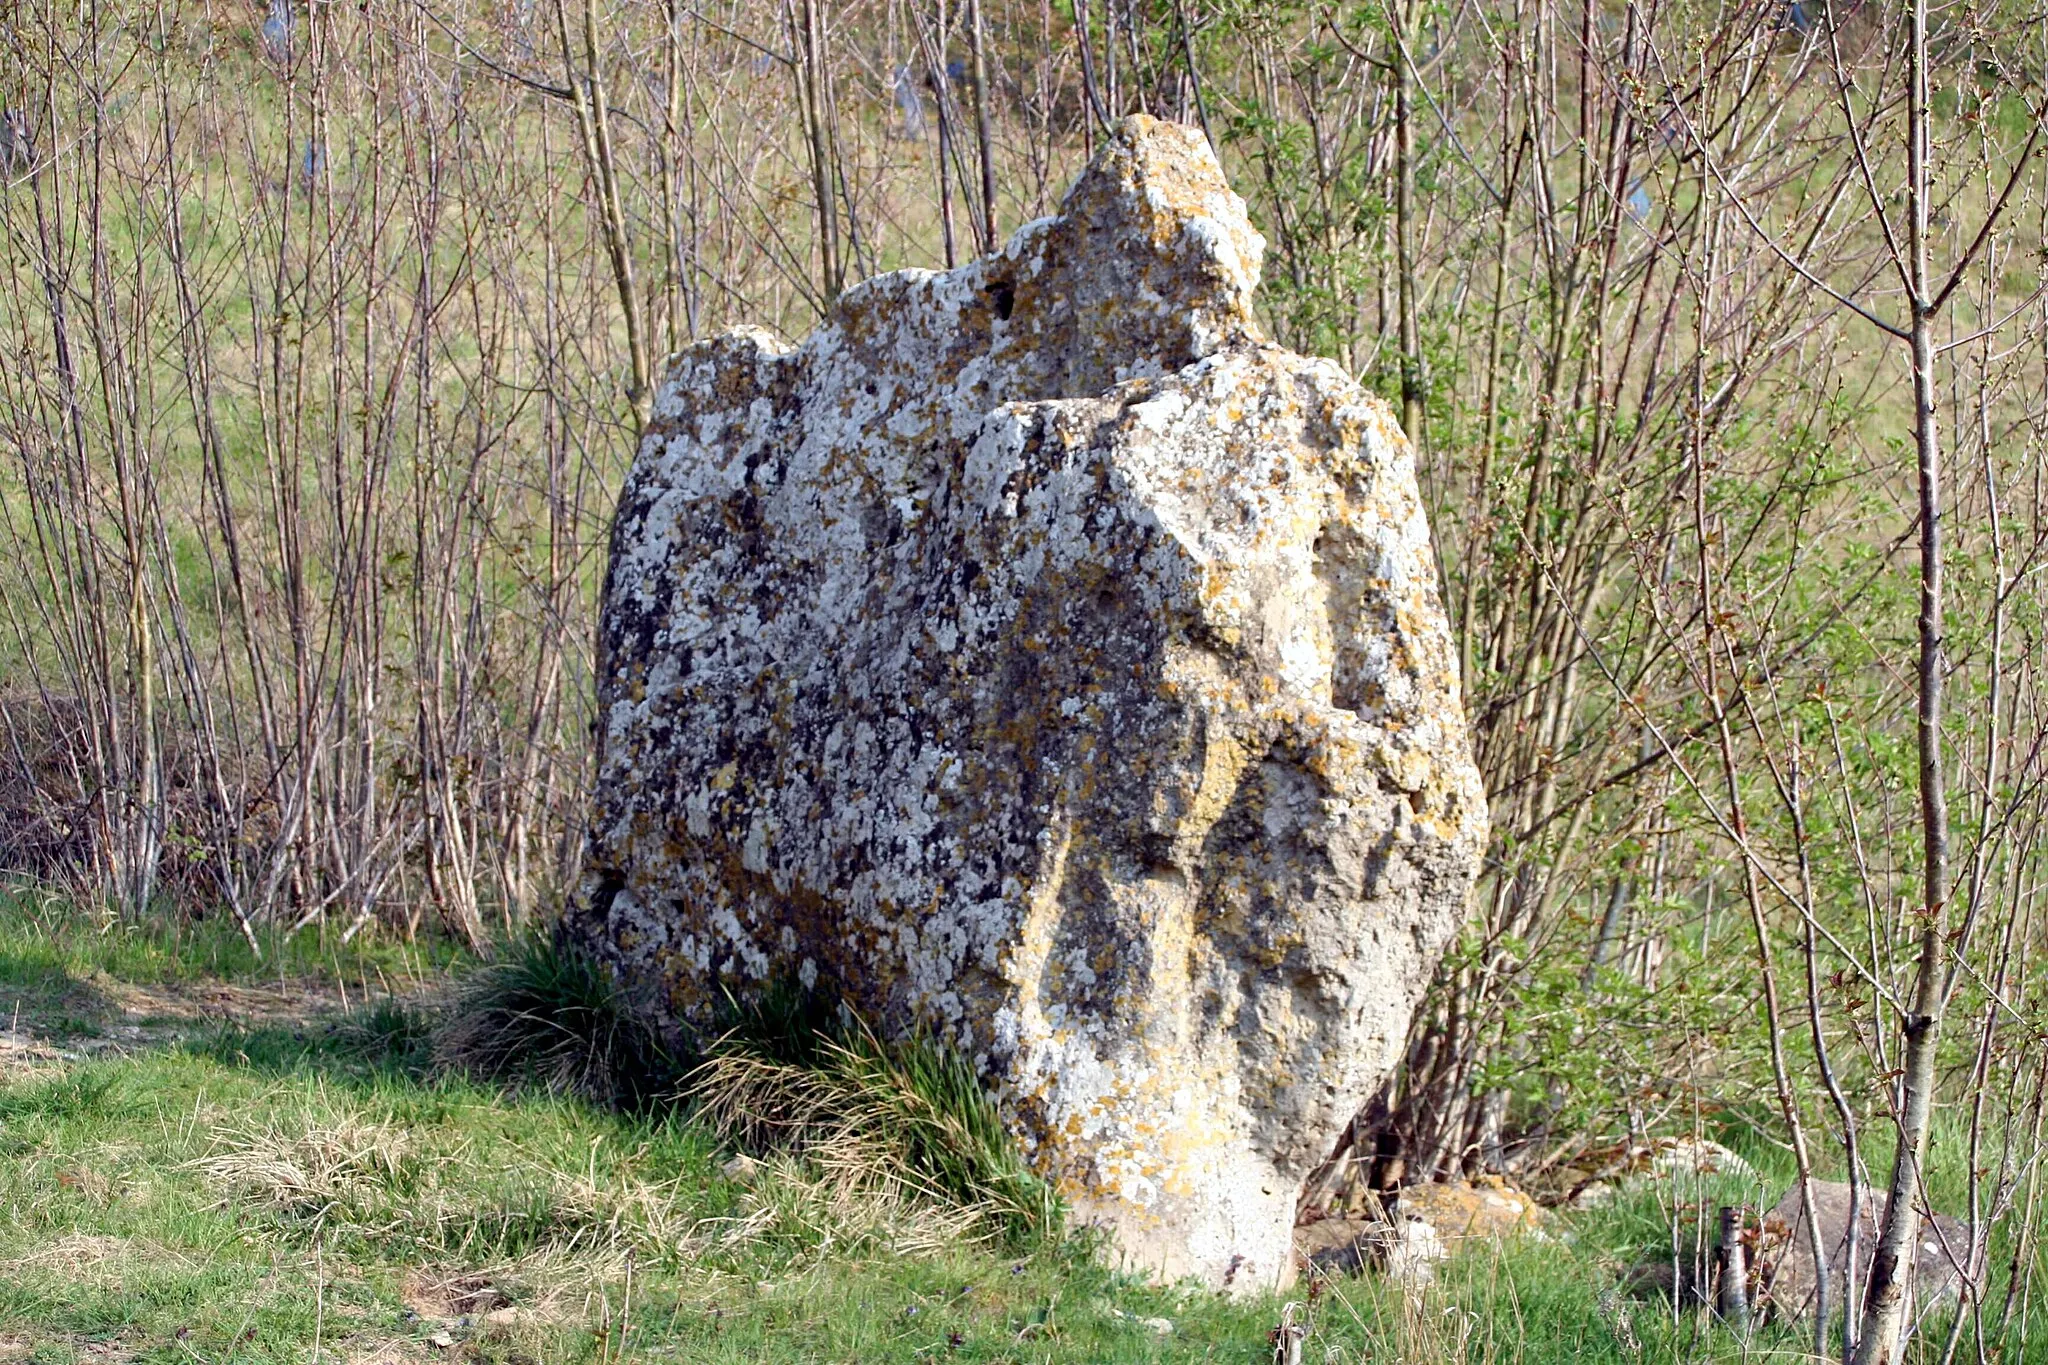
<point>935,62</point>
<point>594,122</point>
<point>1889,1298</point>
<point>810,93</point>
<point>1404,230</point>
<point>990,242</point>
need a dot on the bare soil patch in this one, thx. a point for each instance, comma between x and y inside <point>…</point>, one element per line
<point>446,1295</point>
<point>25,1057</point>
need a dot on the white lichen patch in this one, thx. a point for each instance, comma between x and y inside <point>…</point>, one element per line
<point>1037,654</point>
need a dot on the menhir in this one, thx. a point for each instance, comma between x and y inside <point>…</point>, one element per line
<point>1037,655</point>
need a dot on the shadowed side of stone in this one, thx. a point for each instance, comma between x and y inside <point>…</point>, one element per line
<point>1036,655</point>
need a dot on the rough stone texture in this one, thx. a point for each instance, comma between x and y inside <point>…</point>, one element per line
<point>1036,654</point>
<point>1489,1209</point>
<point>1786,1250</point>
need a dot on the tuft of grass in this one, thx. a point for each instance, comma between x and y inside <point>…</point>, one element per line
<point>393,1033</point>
<point>546,1015</point>
<point>396,1185</point>
<point>314,1171</point>
<point>870,1143</point>
<point>902,1127</point>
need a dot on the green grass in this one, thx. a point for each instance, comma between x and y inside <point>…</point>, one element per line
<point>240,1193</point>
<point>275,1188</point>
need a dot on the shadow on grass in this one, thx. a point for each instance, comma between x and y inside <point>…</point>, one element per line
<point>390,1040</point>
<point>40,994</point>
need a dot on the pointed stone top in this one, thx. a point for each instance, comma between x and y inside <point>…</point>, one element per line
<point>1153,247</point>
<point>1149,266</point>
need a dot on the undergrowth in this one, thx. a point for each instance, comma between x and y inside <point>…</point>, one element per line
<point>866,1141</point>
<point>901,1130</point>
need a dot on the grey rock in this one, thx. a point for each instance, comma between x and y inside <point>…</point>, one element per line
<point>1786,1250</point>
<point>1405,1249</point>
<point>1038,656</point>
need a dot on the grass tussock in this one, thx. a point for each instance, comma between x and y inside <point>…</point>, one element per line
<point>547,1015</point>
<point>346,1167</point>
<point>897,1141</point>
<point>330,1174</point>
<point>861,1143</point>
<point>850,1201</point>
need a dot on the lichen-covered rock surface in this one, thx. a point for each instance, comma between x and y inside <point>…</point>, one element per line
<point>1037,655</point>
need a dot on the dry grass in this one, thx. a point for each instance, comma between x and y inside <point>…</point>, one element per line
<point>368,1179</point>
<point>76,1253</point>
<point>871,1144</point>
<point>389,1352</point>
<point>553,1285</point>
<point>25,1058</point>
<point>849,1195</point>
<point>312,1170</point>
<point>436,1292</point>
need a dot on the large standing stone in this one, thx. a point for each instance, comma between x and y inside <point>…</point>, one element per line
<point>1036,654</point>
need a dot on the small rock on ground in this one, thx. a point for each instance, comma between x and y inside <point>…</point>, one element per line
<point>1786,1252</point>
